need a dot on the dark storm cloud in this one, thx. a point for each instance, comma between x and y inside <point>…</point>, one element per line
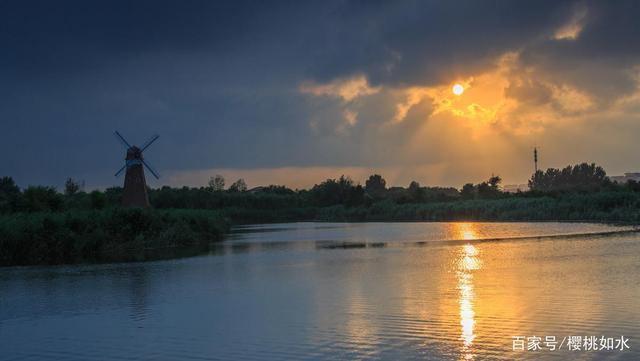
<point>218,79</point>
<point>408,41</point>
<point>71,36</point>
<point>418,42</point>
<point>600,58</point>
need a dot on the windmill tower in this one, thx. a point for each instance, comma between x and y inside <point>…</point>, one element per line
<point>135,185</point>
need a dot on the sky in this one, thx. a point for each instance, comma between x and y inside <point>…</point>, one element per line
<point>295,92</point>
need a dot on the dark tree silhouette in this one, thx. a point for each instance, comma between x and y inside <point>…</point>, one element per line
<point>415,192</point>
<point>216,183</point>
<point>9,195</point>
<point>71,187</point>
<point>468,191</point>
<point>238,186</point>
<point>495,181</point>
<point>38,198</point>
<point>580,177</point>
<point>376,185</point>
<point>98,200</point>
<point>340,191</point>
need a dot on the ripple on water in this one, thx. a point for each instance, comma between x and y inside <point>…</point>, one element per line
<point>388,298</point>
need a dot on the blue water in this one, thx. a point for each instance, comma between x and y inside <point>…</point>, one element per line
<point>322,291</point>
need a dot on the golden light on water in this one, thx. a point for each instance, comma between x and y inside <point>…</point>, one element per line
<point>474,292</point>
<point>467,263</point>
<point>465,231</point>
<point>458,89</point>
<point>467,314</point>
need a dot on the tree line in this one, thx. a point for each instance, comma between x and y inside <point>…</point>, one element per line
<point>40,225</point>
<point>343,191</point>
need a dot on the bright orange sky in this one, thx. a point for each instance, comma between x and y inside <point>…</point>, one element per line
<point>491,128</point>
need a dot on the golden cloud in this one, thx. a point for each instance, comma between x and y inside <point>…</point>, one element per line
<point>572,29</point>
<point>518,98</point>
<point>503,112</point>
<point>346,89</point>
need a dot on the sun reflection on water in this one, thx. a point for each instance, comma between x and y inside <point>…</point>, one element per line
<point>465,231</point>
<point>467,263</point>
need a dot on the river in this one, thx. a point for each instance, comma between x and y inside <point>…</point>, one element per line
<point>343,291</point>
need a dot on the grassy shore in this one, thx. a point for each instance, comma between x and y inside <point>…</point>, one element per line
<point>115,234</point>
<point>109,235</point>
<point>39,225</point>
<point>606,206</point>
<point>610,207</point>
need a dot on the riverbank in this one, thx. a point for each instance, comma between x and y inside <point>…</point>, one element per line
<point>109,235</point>
<point>607,207</point>
<point>599,207</point>
<point>113,234</point>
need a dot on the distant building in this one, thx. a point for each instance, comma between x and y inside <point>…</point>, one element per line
<point>625,178</point>
<point>515,188</point>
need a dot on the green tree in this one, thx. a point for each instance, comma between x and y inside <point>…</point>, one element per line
<point>490,188</point>
<point>216,183</point>
<point>494,181</point>
<point>579,177</point>
<point>98,200</point>
<point>337,191</point>
<point>71,187</point>
<point>355,196</point>
<point>468,191</point>
<point>416,193</point>
<point>238,186</point>
<point>9,195</point>
<point>39,198</point>
<point>376,185</point>
<point>113,196</point>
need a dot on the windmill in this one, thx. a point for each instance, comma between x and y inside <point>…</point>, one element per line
<point>135,185</point>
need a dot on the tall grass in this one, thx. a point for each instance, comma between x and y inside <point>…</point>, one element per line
<point>103,235</point>
<point>599,206</point>
<point>64,234</point>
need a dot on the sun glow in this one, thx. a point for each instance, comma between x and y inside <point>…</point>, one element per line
<point>458,89</point>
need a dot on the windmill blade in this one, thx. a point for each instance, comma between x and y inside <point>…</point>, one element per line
<point>122,140</point>
<point>121,170</point>
<point>148,143</point>
<point>155,174</point>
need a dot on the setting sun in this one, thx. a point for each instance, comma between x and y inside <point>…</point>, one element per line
<point>458,89</point>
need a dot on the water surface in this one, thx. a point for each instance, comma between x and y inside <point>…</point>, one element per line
<point>326,291</point>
